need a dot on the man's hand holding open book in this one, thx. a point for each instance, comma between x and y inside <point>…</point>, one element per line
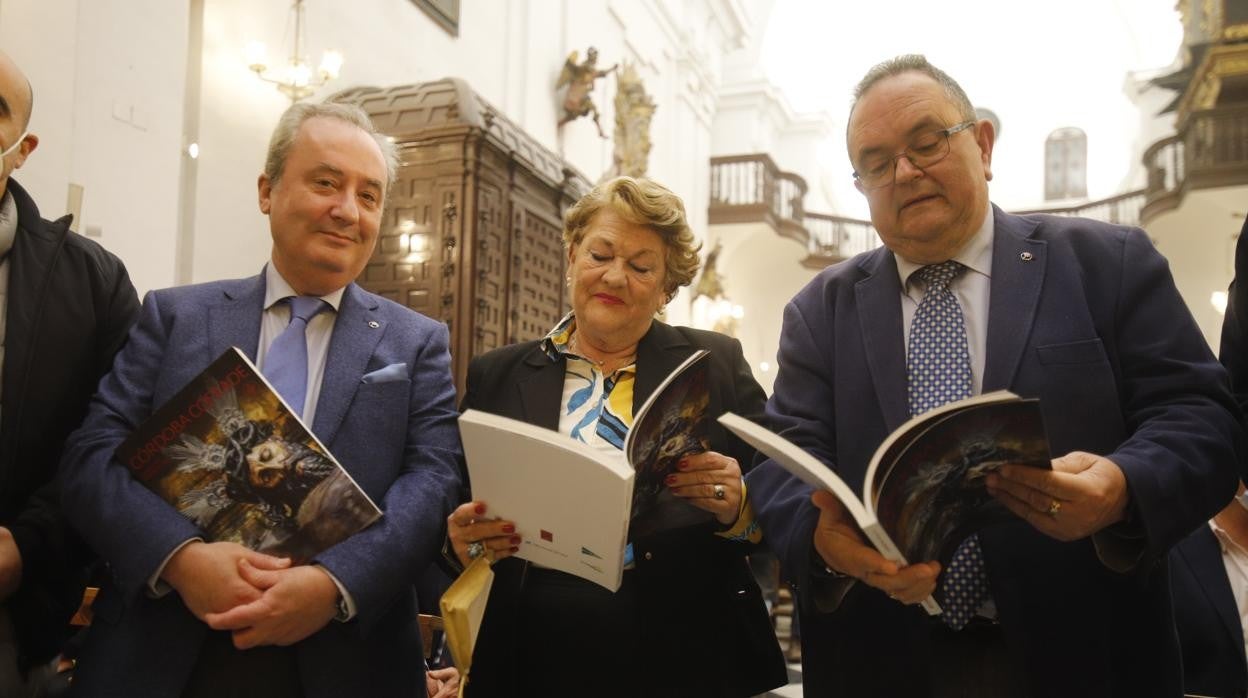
<point>1082,495</point>
<point>843,549</point>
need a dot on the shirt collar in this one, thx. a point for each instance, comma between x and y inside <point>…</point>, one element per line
<point>1225,542</point>
<point>555,343</point>
<point>276,288</point>
<point>8,223</point>
<point>975,255</point>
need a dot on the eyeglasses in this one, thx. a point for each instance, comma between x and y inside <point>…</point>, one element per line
<point>879,171</point>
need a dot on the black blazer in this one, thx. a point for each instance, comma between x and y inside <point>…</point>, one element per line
<point>69,306</point>
<point>1210,631</point>
<point>698,599</point>
<point>1234,350</point>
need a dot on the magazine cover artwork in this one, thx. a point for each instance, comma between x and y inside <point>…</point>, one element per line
<point>228,454</point>
<point>672,424</point>
<point>933,496</point>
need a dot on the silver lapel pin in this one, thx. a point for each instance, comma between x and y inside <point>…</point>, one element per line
<point>374,324</point>
<point>1025,256</point>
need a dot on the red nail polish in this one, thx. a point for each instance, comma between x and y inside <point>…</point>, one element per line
<point>515,540</point>
<point>480,509</point>
<point>515,550</point>
<point>683,464</point>
<point>509,528</point>
<point>670,480</point>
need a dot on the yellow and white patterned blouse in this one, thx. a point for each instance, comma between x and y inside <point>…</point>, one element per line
<point>597,410</point>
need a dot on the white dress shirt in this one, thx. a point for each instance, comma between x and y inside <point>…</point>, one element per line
<point>275,319</point>
<point>971,288</point>
<point>1235,559</point>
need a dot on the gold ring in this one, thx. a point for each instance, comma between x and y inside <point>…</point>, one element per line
<point>1054,507</point>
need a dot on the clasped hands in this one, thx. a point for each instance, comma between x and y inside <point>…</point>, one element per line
<point>1081,495</point>
<point>261,599</point>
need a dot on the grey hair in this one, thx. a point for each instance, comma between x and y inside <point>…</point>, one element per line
<point>288,127</point>
<point>915,63</point>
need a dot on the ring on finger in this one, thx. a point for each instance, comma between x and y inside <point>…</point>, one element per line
<point>719,491</point>
<point>475,549</point>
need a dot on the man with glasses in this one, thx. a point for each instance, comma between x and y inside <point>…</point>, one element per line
<point>65,307</point>
<point>1071,598</point>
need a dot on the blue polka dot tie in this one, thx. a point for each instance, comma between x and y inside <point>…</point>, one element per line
<point>286,363</point>
<point>938,366</point>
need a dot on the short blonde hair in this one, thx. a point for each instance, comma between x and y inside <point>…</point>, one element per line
<point>647,203</point>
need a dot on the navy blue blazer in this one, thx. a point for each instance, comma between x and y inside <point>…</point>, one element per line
<point>398,439</point>
<point>1086,317</point>
<point>1210,631</point>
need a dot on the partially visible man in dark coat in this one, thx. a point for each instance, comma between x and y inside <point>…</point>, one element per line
<point>65,308</point>
<point>1234,350</point>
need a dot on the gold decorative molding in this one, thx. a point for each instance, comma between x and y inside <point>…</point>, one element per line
<point>1235,32</point>
<point>1221,62</point>
<point>634,109</point>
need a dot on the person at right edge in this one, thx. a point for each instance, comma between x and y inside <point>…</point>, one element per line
<point>1072,597</point>
<point>688,619</point>
<point>1209,568</point>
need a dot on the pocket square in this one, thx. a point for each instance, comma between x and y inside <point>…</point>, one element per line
<point>393,372</point>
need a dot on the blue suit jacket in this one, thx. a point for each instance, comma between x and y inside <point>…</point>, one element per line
<point>1084,316</point>
<point>1210,630</point>
<point>398,439</point>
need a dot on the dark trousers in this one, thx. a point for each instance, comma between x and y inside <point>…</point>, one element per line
<point>221,671</point>
<point>973,662</point>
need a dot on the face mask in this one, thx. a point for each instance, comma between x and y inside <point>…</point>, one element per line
<point>16,144</point>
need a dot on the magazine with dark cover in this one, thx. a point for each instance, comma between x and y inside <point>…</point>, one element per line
<point>672,423</point>
<point>229,454</point>
<point>924,490</point>
<point>576,506</point>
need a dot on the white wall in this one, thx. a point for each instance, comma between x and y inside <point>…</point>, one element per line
<point>1198,239</point>
<point>110,96</point>
<point>108,77</point>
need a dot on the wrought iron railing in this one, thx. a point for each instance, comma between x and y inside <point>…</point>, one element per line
<point>751,189</point>
<point>1123,209</point>
<point>1210,150</point>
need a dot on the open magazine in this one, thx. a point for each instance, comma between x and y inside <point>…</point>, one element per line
<point>576,506</point>
<point>231,456</point>
<point>924,490</point>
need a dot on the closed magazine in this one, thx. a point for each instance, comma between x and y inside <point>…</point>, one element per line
<point>231,456</point>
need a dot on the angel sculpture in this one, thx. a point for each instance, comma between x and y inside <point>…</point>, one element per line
<point>579,79</point>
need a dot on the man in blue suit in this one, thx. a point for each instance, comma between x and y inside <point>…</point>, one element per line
<point>184,616</point>
<point>1071,598</point>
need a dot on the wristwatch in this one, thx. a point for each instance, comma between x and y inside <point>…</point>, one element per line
<point>344,613</point>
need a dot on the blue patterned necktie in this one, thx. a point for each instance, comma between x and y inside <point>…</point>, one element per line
<point>938,366</point>
<point>286,363</point>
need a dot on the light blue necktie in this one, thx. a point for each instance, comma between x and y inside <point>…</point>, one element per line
<point>938,367</point>
<point>286,363</point>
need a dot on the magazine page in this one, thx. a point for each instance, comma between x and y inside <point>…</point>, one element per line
<point>228,454</point>
<point>672,423</point>
<point>813,472</point>
<point>569,501</point>
<point>932,496</point>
